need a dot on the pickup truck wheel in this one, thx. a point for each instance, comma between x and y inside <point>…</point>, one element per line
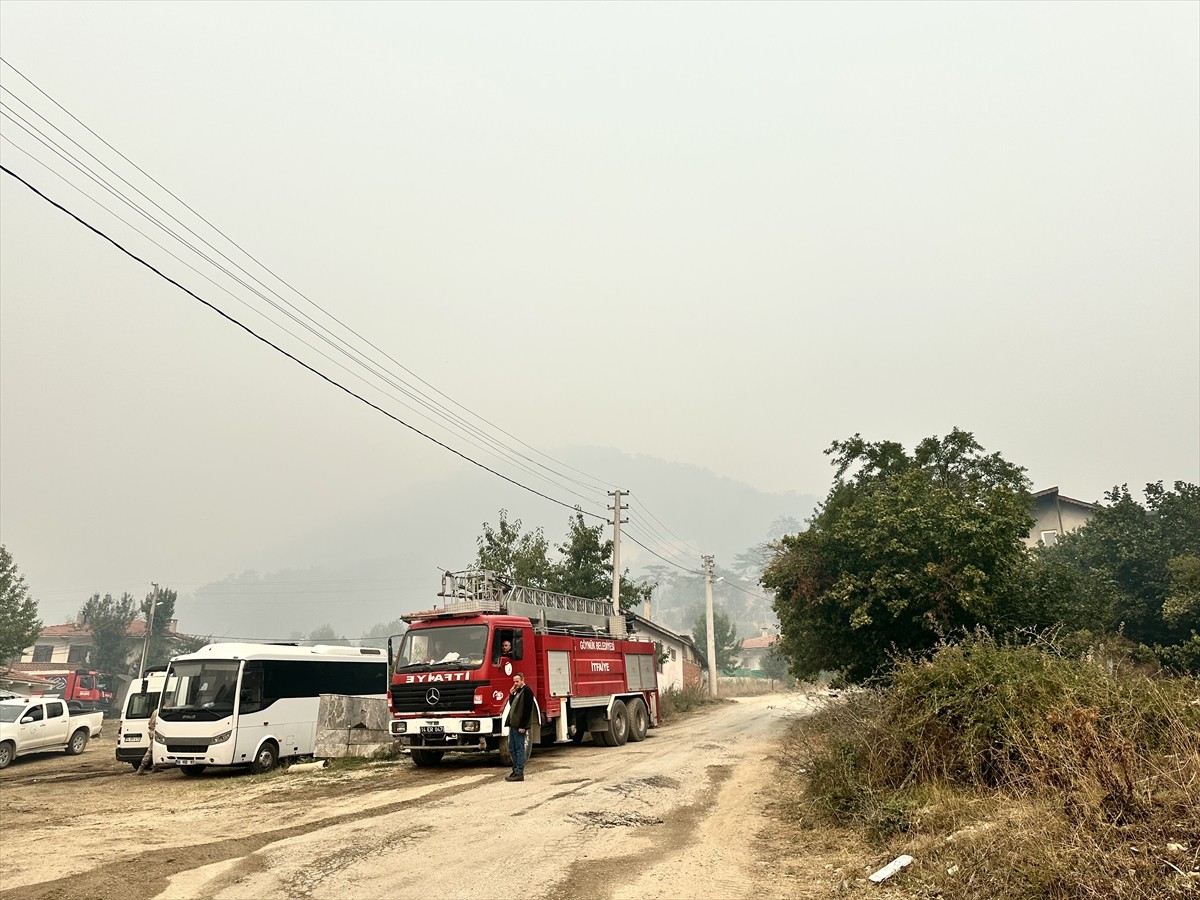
<point>78,741</point>
<point>6,753</point>
<point>267,757</point>
<point>192,771</point>
<point>639,720</point>
<point>424,758</point>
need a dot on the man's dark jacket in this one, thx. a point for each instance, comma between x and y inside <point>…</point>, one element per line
<point>520,708</point>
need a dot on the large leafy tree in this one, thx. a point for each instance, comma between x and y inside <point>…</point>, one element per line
<point>906,548</point>
<point>163,644</point>
<point>728,645</point>
<point>516,556</point>
<point>1145,558</point>
<point>19,622</point>
<point>583,567</point>
<point>109,619</point>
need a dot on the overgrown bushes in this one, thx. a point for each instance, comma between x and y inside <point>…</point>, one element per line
<point>1056,776</point>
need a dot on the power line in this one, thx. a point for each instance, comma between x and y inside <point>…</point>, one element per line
<point>506,452</point>
<point>282,281</point>
<point>663,558</point>
<point>56,148</point>
<point>291,356</point>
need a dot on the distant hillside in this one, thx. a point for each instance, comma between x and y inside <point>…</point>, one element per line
<point>370,568</point>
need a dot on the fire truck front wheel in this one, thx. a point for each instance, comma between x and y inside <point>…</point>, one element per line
<point>423,758</point>
<point>506,753</point>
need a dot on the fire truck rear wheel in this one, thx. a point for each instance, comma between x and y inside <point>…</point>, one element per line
<point>618,725</point>
<point>422,758</point>
<point>639,720</point>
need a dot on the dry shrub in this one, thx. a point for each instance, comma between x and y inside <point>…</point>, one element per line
<point>1058,777</point>
<point>676,702</point>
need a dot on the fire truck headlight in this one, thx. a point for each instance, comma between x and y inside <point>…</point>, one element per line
<point>221,738</point>
<point>470,725</point>
<point>399,727</point>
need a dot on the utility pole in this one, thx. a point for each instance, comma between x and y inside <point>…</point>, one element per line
<point>617,508</point>
<point>708,621</point>
<point>149,629</point>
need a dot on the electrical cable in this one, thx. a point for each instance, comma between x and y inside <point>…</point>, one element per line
<point>56,148</point>
<point>284,352</point>
<point>265,268</point>
<point>347,349</point>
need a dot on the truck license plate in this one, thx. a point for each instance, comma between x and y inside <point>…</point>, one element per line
<point>133,737</point>
<point>433,729</point>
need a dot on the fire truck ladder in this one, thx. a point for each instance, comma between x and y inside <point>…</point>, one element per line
<point>476,588</point>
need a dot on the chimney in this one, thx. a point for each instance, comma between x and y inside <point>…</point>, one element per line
<point>645,609</point>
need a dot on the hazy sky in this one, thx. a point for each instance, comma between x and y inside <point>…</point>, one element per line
<point>719,234</point>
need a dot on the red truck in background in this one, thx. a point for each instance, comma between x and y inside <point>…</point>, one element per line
<point>83,690</point>
<point>451,675</point>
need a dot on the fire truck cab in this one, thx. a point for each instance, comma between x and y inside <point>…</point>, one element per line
<point>454,668</point>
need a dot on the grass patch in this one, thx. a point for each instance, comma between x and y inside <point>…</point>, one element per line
<point>1014,772</point>
<point>675,703</point>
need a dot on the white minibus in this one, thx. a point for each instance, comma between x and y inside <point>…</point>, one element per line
<point>254,704</point>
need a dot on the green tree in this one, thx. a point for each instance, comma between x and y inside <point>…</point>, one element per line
<point>1182,605</point>
<point>109,620</point>
<point>163,644</point>
<point>378,634</point>
<point>585,567</point>
<point>517,557</point>
<point>905,549</point>
<point>725,639</point>
<point>325,632</point>
<point>775,664</point>
<point>1134,547</point>
<point>19,622</point>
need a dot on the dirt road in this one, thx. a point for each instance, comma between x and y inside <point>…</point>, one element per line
<point>678,815</point>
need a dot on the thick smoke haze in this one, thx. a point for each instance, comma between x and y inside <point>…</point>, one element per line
<point>716,236</point>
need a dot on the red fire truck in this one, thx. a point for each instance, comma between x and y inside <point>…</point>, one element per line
<point>83,690</point>
<point>451,673</point>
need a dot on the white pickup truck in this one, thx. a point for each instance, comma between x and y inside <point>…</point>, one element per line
<point>39,724</point>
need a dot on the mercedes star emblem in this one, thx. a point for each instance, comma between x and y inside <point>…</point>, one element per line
<point>432,696</point>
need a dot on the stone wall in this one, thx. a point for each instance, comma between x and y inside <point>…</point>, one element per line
<point>352,726</point>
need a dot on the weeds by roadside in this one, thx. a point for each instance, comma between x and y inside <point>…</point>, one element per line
<point>1015,772</point>
<point>675,703</point>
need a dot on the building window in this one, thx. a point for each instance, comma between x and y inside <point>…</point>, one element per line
<point>43,652</point>
<point>1050,538</point>
<point>78,654</point>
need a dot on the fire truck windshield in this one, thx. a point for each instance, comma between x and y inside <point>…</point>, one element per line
<point>443,647</point>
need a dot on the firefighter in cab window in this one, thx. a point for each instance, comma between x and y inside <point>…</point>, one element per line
<point>505,655</point>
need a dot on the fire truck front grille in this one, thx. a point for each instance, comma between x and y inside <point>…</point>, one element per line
<point>445,697</point>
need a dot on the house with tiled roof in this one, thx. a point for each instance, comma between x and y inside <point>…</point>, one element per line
<point>62,648</point>
<point>753,649</point>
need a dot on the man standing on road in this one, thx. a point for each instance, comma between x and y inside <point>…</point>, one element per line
<point>147,764</point>
<point>520,711</point>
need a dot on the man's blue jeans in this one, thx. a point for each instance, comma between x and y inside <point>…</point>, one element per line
<point>516,747</point>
